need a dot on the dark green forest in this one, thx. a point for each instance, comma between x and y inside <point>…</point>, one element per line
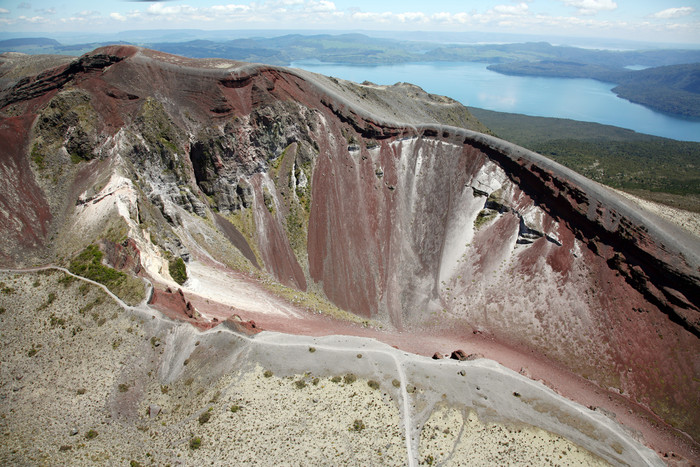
<point>654,168</point>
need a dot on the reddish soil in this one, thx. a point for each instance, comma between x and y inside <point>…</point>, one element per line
<point>665,440</point>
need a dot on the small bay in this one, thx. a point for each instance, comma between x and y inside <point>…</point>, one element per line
<point>474,85</point>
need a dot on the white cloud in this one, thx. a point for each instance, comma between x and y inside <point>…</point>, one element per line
<point>385,17</point>
<point>450,18</point>
<point>412,17</point>
<point>34,19</point>
<point>230,9</point>
<point>591,7</point>
<point>512,10</point>
<point>3,11</point>
<point>323,5</point>
<point>674,12</point>
<point>117,17</point>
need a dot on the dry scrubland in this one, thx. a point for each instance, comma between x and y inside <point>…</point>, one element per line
<point>85,382</point>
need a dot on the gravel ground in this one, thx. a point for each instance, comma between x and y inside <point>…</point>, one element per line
<point>84,382</point>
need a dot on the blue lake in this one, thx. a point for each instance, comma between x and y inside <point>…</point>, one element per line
<point>473,85</point>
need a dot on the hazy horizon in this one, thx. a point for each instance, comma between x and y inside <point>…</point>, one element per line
<point>586,20</point>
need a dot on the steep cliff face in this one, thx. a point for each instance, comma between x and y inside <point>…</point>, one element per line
<point>380,198</point>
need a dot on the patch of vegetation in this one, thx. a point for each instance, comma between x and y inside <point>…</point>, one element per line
<point>158,129</point>
<point>91,434</point>
<point>178,270</point>
<point>349,378</point>
<point>88,264</point>
<point>51,298</point>
<point>67,280</point>
<point>33,351</point>
<point>358,425</point>
<point>312,349</point>
<point>55,321</point>
<point>315,303</point>
<point>37,155</point>
<point>269,201</point>
<point>373,384</point>
<point>336,379</point>
<point>267,373</point>
<point>300,384</point>
<point>235,408</point>
<point>81,391</point>
<point>5,290</point>
<point>123,387</point>
<point>396,383</point>
<point>204,417</point>
<point>483,217</point>
<point>196,442</point>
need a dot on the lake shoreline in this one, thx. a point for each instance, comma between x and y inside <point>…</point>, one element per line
<point>472,84</point>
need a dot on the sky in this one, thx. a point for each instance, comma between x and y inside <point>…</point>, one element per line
<point>643,20</point>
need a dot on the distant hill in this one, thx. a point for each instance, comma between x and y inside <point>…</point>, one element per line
<point>673,89</point>
<point>29,41</point>
<point>661,90</point>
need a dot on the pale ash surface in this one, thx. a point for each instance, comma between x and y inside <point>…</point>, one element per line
<point>87,381</point>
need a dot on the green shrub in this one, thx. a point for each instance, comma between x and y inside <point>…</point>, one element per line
<point>178,271</point>
<point>195,442</point>
<point>358,425</point>
<point>336,379</point>
<point>204,417</point>
<point>267,373</point>
<point>91,434</point>
<point>373,384</point>
<point>235,408</point>
<point>300,384</point>
<point>349,378</point>
<point>123,387</point>
<point>89,264</point>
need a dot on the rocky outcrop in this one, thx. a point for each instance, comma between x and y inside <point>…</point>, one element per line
<point>123,256</point>
<point>174,304</point>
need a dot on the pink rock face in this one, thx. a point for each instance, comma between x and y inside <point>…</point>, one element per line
<point>123,256</point>
<point>24,212</point>
<point>427,227</point>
